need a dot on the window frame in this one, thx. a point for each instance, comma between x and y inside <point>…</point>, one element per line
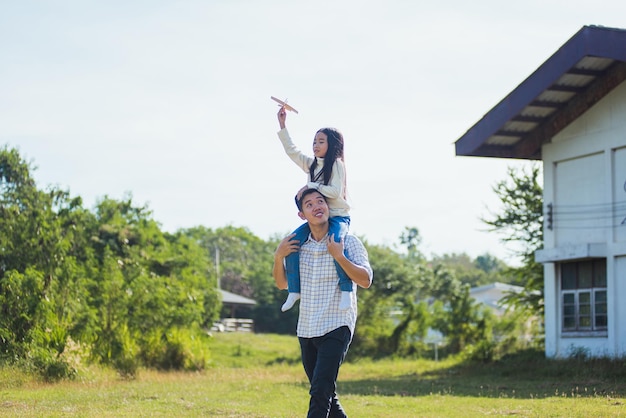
<point>590,316</point>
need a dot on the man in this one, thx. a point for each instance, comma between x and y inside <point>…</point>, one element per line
<point>324,331</point>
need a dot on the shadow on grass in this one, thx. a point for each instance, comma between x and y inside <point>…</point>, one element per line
<point>523,375</point>
<point>284,360</point>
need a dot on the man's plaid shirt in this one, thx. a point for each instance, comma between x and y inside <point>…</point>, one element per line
<point>320,292</point>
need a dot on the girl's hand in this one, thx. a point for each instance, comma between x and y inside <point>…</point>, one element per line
<point>282,116</point>
<point>299,194</point>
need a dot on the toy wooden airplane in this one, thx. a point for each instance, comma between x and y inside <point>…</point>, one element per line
<point>284,104</point>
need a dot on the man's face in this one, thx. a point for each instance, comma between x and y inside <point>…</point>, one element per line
<point>314,209</point>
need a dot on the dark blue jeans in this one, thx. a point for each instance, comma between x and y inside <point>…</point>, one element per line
<point>338,226</point>
<point>321,358</point>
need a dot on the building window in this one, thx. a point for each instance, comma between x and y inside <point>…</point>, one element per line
<point>583,296</point>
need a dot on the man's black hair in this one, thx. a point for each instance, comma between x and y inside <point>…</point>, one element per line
<point>304,194</point>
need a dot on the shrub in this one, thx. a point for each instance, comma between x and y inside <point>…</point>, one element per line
<point>483,351</point>
<point>186,350</point>
<point>176,349</point>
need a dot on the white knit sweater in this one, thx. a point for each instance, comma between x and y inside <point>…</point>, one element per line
<point>335,190</point>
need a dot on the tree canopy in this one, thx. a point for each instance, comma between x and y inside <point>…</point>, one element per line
<point>521,221</point>
<point>110,284</point>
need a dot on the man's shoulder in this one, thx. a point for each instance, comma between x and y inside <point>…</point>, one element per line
<point>356,251</point>
<point>352,239</point>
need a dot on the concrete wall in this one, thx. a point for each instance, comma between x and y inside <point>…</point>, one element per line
<point>585,180</point>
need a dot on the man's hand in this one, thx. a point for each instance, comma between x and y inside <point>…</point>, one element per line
<point>356,273</point>
<point>335,248</point>
<point>287,246</point>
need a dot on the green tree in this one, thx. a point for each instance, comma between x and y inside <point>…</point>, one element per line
<point>391,311</point>
<point>39,278</point>
<point>480,271</point>
<point>521,222</point>
<point>489,264</point>
<point>149,284</point>
<point>411,239</point>
<point>245,265</point>
<point>394,278</point>
<point>456,318</point>
<point>463,268</point>
<point>455,314</point>
<point>20,201</point>
<point>110,280</point>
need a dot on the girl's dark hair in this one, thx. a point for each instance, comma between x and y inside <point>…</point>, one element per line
<point>335,151</point>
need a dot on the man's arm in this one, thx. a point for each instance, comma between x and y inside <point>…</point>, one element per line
<point>278,271</point>
<point>286,247</point>
<point>359,274</point>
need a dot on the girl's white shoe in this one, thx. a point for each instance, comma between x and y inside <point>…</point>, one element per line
<point>291,299</point>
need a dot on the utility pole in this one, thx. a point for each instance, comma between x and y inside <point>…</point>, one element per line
<point>217,265</point>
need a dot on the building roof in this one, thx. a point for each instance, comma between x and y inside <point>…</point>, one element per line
<point>578,75</point>
<point>491,294</point>
<point>233,299</point>
<point>503,287</point>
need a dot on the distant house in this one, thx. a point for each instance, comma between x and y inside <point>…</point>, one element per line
<point>491,295</point>
<point>571,114</point>
<point>232,301</point>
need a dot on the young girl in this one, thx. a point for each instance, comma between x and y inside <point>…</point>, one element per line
<point>327,174</point>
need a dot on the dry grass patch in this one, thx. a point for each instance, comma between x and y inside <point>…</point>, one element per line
<point>261,376</point>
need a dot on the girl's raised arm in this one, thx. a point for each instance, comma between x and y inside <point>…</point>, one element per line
<point>282,117</point>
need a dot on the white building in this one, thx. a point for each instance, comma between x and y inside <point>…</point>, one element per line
<point>571,114</point>
<point>491,295</point>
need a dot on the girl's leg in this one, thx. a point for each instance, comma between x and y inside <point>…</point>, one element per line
<point>292,268</point>
<point>338,227</point>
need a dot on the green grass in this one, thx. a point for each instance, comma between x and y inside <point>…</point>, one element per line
<point>261,376</point>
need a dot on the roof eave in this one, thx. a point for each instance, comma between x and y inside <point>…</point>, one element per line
<point>591,41</point>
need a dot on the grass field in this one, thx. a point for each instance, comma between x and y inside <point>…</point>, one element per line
<point>261,376</point>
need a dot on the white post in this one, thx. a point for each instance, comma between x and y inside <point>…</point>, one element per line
<point>217,265</point>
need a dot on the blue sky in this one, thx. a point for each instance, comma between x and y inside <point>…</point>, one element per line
<point>170,101</point>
